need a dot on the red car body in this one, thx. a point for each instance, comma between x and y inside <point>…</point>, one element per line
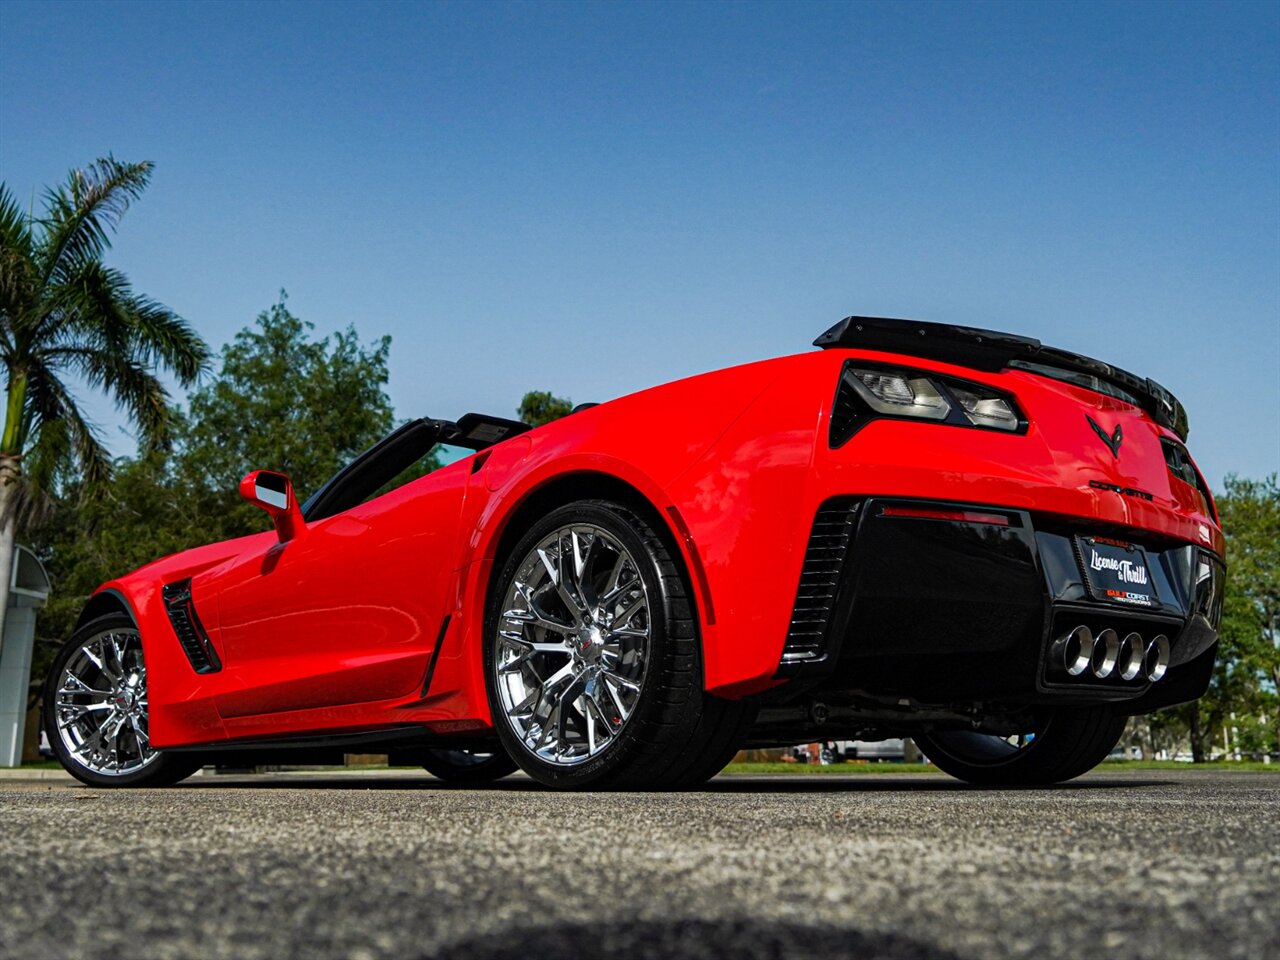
<point>372,619</point>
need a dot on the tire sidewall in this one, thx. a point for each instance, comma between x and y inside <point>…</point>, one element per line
<point>485,771</point>
<point>1064,748</point>
<point>618,521</point>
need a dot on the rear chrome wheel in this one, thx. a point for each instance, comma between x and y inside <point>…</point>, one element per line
<point>1065,744</point>
<point>573,642</point>
<point>592,661</point>
<point>96,709</point>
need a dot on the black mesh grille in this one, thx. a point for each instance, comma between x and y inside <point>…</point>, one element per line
<point>190,631</point>
<point>824,561</point>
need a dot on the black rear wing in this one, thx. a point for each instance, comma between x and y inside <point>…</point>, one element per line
<point>993,351</point>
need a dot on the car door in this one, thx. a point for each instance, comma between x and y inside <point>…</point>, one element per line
<point>349,610</point>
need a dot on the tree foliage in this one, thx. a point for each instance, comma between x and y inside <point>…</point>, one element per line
<point>538,407</point>
<point>283,401</point>
<point>1240,707</point>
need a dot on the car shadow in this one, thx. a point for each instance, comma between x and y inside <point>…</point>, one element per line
<point>731,784</point>
<point>742,939</point>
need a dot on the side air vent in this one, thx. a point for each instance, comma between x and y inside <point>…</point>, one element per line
<point>824,562</point>
<point>844,414</point>
<point>190,631</point>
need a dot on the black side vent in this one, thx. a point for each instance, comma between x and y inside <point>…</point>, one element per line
<point>824,563</point>
<point>844,414</point>
<point>186,624</point>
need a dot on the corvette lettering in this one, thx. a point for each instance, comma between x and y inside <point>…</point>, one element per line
<point>1123,491</point>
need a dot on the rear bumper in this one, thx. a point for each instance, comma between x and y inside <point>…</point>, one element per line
<point>899,598</point>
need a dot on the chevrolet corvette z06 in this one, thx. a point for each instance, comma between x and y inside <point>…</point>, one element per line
<point>999,548</point>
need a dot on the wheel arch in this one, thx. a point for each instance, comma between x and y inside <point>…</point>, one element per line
<point>102,603</point>
<point>587,484</point>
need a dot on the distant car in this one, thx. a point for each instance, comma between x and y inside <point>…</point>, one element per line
<point>893,748</point>
<point>996,547</point>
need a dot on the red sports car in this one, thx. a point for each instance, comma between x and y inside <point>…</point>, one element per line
<point>998,548</point>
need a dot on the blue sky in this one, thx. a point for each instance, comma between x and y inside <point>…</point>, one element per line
<point>595,198</point>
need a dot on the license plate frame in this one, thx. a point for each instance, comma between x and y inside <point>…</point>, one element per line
<point>1117,571</point>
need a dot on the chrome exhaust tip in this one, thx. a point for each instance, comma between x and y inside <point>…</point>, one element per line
<point>1133,652</point>
<point>1073,650</point>
<point>1106,651</point>
<point>1156,661</point>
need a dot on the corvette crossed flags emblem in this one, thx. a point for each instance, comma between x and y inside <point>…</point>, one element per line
<point>1112,441</point>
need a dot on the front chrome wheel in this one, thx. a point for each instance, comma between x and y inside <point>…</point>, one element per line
<point>100,705</point>
<point>573,643</point>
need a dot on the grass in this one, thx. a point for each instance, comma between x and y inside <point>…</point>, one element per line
<point>1217,766</point>
<point>854,767</point>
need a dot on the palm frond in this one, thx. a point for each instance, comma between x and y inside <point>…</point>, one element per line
<point>58,433</point>
<point>137,392</point>
<point>17,269</point>
<point>81,214</point>
<point>97,307</point>
<point>164,337</point>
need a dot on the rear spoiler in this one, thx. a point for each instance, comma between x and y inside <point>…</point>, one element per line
<point>992,351</point>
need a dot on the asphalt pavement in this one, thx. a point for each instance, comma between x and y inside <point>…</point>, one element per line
<point>393,865</point>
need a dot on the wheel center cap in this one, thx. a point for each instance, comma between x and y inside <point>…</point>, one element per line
<point>588,643</point>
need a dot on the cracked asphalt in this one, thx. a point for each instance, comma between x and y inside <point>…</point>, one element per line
<point>397,865</point>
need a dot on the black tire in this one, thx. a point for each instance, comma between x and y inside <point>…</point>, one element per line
<point>1070,742</point>
<point>468,766</point>
<point>675,735</point>
<point>165,769</point>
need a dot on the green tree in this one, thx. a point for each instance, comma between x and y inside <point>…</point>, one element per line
<point>65,315</point>
<point>1248,668</point>
<point>541,406</point>
<point>283,401</point>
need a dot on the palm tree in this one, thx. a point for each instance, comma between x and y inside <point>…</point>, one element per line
<point>64,314</point>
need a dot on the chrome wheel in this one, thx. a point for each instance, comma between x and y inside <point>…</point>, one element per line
<point>572,645</point>
<point>100,705</point>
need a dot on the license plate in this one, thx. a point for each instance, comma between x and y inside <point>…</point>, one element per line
<point>1117,571</point>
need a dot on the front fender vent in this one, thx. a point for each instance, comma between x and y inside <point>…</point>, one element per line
<point>824,565</point>
<point>190,631</point>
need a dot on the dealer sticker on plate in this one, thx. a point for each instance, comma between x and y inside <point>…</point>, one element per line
<point>1117,571</point>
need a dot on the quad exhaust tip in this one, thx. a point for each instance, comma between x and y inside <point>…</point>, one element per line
<point>1106,650</point>
<point>1133,653</point>
<point>1156,661</point>
<point>1133,658</point>
<point>1076,650</point>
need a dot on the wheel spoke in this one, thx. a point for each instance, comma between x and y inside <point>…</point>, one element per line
<point>535,617</point>
<point>71,685</point>
<point>630,610</point>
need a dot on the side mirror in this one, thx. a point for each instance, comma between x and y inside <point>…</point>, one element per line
<point>274,493</point>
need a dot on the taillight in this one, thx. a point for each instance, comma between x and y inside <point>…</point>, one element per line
<point>1180,464</point>
<point>869,392</point>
